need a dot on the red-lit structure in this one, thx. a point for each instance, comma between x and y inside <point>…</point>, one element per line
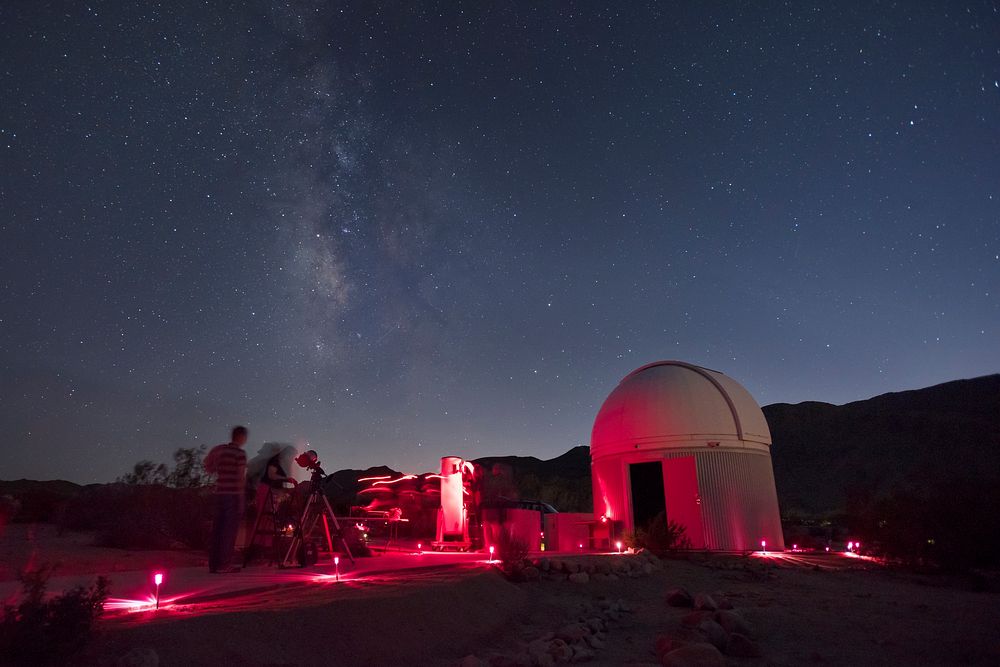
<point>692,442</point>
<point>453,515</point>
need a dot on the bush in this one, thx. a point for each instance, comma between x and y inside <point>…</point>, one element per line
<point>658,536</point>
<point>142,516</point>
<point>40,631</point>
<point>948,524</point>
<point>511,551</point>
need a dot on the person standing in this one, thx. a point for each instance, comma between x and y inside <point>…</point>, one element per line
<point>228,462</point>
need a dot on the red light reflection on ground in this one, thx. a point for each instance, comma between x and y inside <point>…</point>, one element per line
<point>268,588</point>
<point>821,560</point>
<point>132,606</point>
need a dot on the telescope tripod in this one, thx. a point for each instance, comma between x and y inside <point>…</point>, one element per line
<point>317,509</point>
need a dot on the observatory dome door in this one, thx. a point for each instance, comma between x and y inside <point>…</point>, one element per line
<point>669,486</point>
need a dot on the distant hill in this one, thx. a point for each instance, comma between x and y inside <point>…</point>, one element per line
<point>822,453</point>
<point>58,487</point>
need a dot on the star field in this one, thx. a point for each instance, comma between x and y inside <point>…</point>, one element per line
<point>403,232</point>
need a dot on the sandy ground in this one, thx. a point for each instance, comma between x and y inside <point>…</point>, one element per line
<point>30,545</point>
<point>435,615</point>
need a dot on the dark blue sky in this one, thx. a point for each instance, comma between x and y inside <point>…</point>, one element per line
<point>430,229</point>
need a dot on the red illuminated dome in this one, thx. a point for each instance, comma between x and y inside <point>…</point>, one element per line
<point>691,443</point>
<point>674,404</point>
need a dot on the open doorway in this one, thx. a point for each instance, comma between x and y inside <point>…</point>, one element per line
<point>648,498</point>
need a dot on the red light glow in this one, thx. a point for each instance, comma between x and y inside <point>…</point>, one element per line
<point>372,479</point>
<point>158,578</point>
<point>393,481</point>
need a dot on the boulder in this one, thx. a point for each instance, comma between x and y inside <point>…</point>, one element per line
<point>678,597</point>
<point>470,661</point>
<point>531,574</point>
<point>140,657</point>
<point>741,646</point>
<point>573,632</point>
<point>694,655</point>
<point>537,648</point>
<point>665,644</point>
<point>544,564</point>
<point>560,650</point>
<point>721,600</point>
<point>705,601</point>
<point>596,642</point>
<point>714,633</point>
<point>583,653</point>
<point>694,619</point>
<point>579,577</point>
<point>595,623</point>
<point>731,621</point>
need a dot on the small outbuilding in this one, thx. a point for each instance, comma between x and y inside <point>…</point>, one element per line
<point>692,442</point>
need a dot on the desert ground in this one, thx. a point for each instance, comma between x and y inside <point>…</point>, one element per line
<point>823,610</point>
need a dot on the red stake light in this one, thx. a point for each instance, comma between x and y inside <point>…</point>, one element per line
<point>336,563</point>
<point>491,552</point>
<point>158,579</point>
<point>619,545</point>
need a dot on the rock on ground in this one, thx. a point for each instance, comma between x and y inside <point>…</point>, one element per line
<point>140,657</point>
<point>694,655</point>
<point>741,646</point>
<point>678,597</point>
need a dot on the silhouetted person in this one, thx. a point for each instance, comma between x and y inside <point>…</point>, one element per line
<point>228,463</point>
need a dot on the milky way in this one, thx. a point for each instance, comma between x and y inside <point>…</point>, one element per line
<point>399,233</point>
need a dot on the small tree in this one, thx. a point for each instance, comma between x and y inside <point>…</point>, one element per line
<point>189,469</point>
<point>144,473</point>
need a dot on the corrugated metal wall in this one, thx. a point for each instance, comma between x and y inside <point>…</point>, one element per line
<point>739,504</point>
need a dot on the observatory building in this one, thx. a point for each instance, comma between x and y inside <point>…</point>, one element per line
<point>692,442</point>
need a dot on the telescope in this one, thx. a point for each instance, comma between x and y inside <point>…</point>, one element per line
<point>310,461</point>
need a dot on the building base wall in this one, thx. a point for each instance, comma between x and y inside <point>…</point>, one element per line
<point>736,496</point>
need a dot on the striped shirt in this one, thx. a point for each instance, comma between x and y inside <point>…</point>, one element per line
<point>228,463</point>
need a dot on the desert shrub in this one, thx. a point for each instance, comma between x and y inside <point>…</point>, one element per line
<point>659,536</point>
<point>511,550</point>
<point>39,631</point>
<point>152,507</point>
<point>38,505</point>
<point>142,516</point>
<point>949,524</point>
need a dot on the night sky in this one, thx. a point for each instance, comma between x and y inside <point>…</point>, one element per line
<point>424,229</point>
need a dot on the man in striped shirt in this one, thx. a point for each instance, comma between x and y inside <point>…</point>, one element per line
<point>228,463</point>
